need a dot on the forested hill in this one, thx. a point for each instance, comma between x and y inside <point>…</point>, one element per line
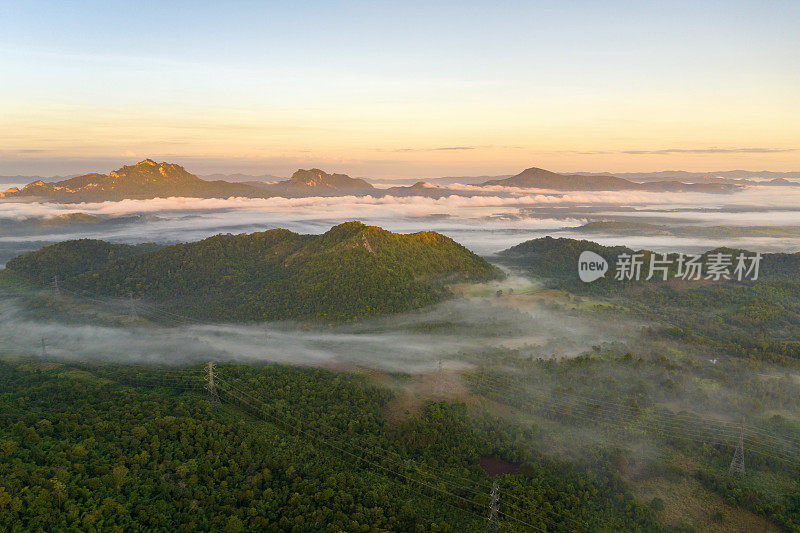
<point>753,318</point>
<point>349,272</point>
<point>557,259</point>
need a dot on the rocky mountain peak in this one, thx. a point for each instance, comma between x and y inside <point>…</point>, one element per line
<point>319,178</point>
<point>150,171</point>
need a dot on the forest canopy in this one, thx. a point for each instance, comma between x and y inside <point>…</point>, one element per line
<point>351,271</point>
<point>757,318</point>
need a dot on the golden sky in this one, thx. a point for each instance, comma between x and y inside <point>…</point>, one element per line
<point>432,90</point>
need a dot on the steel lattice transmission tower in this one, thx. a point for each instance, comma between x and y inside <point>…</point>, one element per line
<point>492,524</point>
<point>132,308</point>
<point>439,388</point>
<point>737,464</point>
<point>210,384</point>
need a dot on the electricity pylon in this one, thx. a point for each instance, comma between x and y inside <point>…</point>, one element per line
<point>56,290</point>
<point>737,464</point>
<point>132,307</point>
<point>44,348</point>
<point>492,524</point>
<point>210,385</point>
<point>439,388</point>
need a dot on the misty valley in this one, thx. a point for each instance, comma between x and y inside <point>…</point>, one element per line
<point>167,366</point>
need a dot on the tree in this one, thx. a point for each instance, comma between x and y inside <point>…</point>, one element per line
<point>119,473</point>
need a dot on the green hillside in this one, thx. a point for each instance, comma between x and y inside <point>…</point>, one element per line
<point>71,258</point>
<point>351,271</point>
<point>759,319</point>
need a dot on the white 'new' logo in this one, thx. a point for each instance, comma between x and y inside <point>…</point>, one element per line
<point>591,266</point>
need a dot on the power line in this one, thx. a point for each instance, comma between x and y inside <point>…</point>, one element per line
<point>667,421</point>
<point>363,459</point>
<point>297,425</point>
<point>720,430</point>
<point>521,500</point>
<point>661,424</point>
<point>188,320</point>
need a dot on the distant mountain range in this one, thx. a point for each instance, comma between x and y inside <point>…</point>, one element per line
<point>538,178</point>
<point>696,177</point>
<point>316,182</point>
<point>148,179</point>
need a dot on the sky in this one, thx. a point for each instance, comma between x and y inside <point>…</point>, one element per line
<point>399,89</point>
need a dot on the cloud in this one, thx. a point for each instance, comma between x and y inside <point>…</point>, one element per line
<point>712,150</point>
<point>485,224</point>
<point>23,152</point>
<point>440,149</point>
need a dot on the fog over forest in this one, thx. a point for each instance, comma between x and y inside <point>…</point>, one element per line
<point>485,224</point>
<point>606,382</point>
<point>411,342</point>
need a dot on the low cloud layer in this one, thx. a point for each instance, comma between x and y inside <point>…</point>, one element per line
<point>485,224</point>
<point>457,330</point>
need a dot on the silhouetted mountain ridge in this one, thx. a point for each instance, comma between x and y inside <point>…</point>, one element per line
<point>149,179</point>
<point>539,178</point>
<point>318,179</point>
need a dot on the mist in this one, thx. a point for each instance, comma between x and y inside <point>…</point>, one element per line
<point>486,224</point>
<point>511,348</point>
<point>455,331</point>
